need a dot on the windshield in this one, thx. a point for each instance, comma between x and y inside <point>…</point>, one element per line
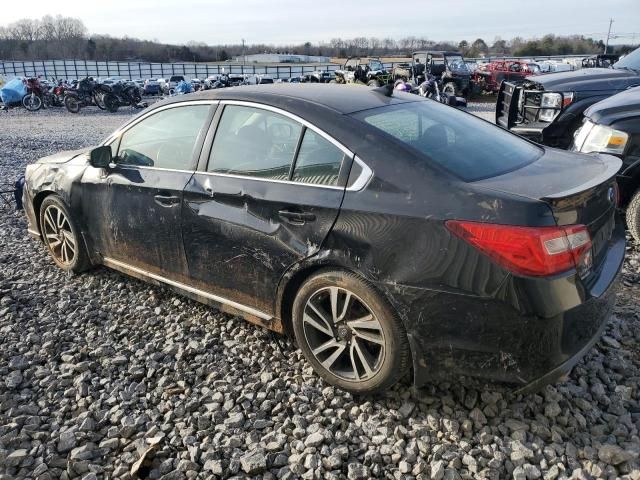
<point>468,147</point>
<point>375,65</point>
<point>631,61</point>
<point>456,63</point>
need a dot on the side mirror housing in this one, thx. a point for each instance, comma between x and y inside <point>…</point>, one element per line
<point>100,157</point>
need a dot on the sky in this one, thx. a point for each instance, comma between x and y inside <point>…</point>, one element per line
<point>276,22</point>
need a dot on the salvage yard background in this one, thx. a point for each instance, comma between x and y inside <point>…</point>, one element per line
<point>94,366</point>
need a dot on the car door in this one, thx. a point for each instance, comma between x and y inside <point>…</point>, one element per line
<point>269,192</point>
<point>134,209</point>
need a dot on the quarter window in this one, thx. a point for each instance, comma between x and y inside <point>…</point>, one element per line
<point>254,142</point>
<point>165,139</point>
<point>318,160</point>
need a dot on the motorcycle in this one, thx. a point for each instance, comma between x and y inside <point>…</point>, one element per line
<point>432,89</point>
<point>88,93</point>
<point>127,93</point>
<point>37,95</point>
<point>57,94</point>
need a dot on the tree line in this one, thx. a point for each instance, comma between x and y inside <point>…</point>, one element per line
<point>61,37</point>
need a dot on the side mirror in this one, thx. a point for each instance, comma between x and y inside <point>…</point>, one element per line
<point>100,157</point>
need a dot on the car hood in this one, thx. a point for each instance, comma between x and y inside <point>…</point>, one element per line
<point>63,157</point>
<point>617,107</point>
<point>587,79</point>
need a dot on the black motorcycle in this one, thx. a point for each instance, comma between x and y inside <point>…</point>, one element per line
<point>431,88</point>
<point>87,93</point>
<point>127,93</point>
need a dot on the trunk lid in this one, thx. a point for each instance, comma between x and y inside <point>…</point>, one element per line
<point>579,189</point>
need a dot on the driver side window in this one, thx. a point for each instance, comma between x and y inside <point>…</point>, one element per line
<point>165,139</point>
<point>254,142</point>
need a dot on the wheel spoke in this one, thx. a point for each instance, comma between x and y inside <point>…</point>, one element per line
<point>369,337</point>
<point>63,252</point>
<point>364,322</point>
<point>61,219</point>
<point>325,346</point>
<point>48,218</point>
<point>320,314</point>
<point>71,242</point>
<point>317,325</point>
<point>331,359</point>
<point>364,358</point>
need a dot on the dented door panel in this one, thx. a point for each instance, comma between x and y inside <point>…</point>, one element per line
<point>242,234</point>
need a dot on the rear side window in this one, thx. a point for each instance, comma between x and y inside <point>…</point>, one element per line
<point>468,147</point>
<point>254,142</point>
<point>318,160</point>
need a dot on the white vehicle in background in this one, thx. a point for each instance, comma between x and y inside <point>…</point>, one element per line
<point>550,66</point>
<point>170,86</point>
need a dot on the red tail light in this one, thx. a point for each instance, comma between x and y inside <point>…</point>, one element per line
<point>532,251</point>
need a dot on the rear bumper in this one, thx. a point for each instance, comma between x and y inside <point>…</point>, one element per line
<point>530,334</point>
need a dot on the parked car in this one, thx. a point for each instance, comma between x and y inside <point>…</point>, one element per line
<point>549,66</point>
<point>152,87</point>
<point>549,108</point>
<point>173,82</point>
<point>613,126</point>
<point>320,76</point>
<point>302,199</point>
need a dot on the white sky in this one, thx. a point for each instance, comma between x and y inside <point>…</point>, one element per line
<point>297,21</point>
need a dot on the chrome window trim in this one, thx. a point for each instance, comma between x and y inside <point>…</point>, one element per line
<point>288,182</point>
<point>137,120</point>
<point>363,179</point>
<point>145,167</point>
<point>292,116</point>
<point>116,264</point>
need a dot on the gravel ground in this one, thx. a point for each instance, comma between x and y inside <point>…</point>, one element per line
<point>99,371</point>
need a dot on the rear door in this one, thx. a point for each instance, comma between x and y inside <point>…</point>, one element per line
<point>265,198</point>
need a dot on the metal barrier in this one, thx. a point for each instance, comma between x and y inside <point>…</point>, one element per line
<point>69,69</point>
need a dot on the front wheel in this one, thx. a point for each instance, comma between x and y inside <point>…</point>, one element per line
<point>450,88</point>
<point>32,102</point>
<point>99,101</point>
<point>633,216</point>
<point>349,333</point>
<point>62,236</point>
<point>72,103</point>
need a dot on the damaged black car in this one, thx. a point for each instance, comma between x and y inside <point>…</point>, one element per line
<point>385,234</point>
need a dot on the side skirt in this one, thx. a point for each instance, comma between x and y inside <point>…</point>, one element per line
<point>250,314</point>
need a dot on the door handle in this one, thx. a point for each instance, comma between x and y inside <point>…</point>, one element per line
<point>166,200</point>
<point>296,218</point>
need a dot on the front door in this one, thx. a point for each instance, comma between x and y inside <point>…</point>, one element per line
<point>134,209</point>
<point>271,192</point>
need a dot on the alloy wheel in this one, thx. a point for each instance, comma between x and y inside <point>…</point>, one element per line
<point>59,236</point>
<point>344,334</point>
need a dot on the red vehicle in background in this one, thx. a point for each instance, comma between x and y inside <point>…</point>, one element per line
<point>488,77</point>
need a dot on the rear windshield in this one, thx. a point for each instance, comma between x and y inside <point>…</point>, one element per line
<point>466,146</point>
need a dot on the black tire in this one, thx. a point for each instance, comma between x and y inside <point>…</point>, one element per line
<point>32,102</point>
<point>373,83</point>
<point>450,88</point>
<point>47,100</point>
<point>72,103</point>
<point>98,98</point>
<point>389,350</point>
<point>633,216</point>
<point>111,102</point>
<point>67,236</point>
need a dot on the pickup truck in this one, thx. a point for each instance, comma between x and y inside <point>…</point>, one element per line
<point>549,108</point>
<point>613,126</point>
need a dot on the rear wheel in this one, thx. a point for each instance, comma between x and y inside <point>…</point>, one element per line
<point>349,333</point>
<point>633,216</point>
<point>72,103</point>
<point>62,236</point>
<point>32,102</point>
<point>99,99</point>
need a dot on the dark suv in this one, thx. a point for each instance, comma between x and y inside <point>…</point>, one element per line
<point>613,126</point>
<point>448,67</point>
<point>549,108</point>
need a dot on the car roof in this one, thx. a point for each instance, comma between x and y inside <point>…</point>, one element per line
<point>342,99</point>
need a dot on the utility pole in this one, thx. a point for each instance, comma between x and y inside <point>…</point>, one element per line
<point>606,45</point>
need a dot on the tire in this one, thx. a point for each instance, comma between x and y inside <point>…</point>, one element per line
<point>62,236</point>
<point>341,362</point>
<point>450,88</point>
<point>32,102</point>
<point>72,104</point>
<point>373,83</point>
<point>47,100</point>
<point>633,216</point>
<point>111,102</point>
<point>99,99</point>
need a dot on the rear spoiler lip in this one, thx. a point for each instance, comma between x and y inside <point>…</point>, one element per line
<point>613,165</point>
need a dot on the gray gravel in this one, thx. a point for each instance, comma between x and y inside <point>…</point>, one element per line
<point>102,375</point>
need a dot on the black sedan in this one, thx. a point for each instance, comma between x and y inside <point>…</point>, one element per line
<point>387,233</point>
